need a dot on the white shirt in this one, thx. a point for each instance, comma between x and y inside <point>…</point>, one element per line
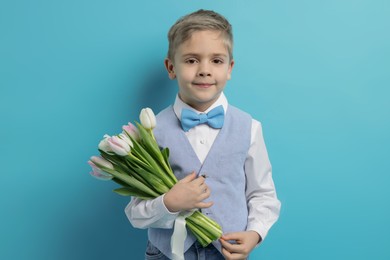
<point>263,205</point>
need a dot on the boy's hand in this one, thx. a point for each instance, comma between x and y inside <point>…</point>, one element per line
<point>245,242</point>
<point>187,194</point>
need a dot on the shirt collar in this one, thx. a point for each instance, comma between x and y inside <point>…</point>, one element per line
<point>179,105</point>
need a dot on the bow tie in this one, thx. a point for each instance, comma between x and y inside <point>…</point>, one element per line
<point>214,118</point>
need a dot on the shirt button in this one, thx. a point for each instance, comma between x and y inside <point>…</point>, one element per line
<point>202,141</point>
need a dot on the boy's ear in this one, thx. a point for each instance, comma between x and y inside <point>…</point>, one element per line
<point>231,65</point>
<point>170,68</point>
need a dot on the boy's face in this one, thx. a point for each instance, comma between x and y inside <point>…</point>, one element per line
<point>202,66</point>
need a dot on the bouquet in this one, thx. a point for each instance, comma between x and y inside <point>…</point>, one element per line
<point>134,160</point>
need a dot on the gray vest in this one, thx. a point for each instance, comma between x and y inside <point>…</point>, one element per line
<point>224,166</point>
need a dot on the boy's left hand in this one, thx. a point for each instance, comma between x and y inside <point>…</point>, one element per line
<point>245,242</point>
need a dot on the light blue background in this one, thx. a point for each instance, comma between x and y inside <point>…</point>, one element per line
<point>315,73</point>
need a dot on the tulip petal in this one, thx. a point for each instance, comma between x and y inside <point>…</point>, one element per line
<point>119,146</point>
<point>132,131</point>
<point>100,176</point>
<point>125,138</point>
<point>104,146</point>
<point>98,162</point>
<point>147,118</point>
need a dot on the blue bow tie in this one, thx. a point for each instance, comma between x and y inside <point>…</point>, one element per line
<point>214,118</point>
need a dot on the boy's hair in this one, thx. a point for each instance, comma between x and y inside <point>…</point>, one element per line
<point>200,20</point>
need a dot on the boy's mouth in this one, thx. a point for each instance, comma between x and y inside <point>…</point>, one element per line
<point>203,84</point>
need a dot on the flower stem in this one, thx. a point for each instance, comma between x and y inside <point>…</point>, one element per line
<point>202,238</point>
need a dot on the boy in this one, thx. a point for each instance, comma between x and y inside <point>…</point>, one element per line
<point>221,161</point>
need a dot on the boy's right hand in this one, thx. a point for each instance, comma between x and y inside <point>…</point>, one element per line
<point>188,194</point>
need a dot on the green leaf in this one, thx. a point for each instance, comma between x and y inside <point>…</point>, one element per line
<point>165,164</point>
<point>149,143</point>
<point>137,152</point>
<point>148,149</point>
<point>153,166</point>
<point>148,137</point>
<point>124,191</point>
<point>127,191</point>
<point>118,181</point>
<point>134,183</point>
<point>157,184</point>
<point>165,153</point>
<point>134,173</point>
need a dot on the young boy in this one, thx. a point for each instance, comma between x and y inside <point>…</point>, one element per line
<point>221,161</point>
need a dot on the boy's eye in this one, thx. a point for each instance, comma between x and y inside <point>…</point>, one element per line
<point>218,61</point>
<point>191,61</point>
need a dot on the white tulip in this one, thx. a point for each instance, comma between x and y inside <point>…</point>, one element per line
<point>148,119</point>
<point>104,145</point>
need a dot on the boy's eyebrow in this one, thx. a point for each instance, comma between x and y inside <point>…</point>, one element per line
<point>197,55</point>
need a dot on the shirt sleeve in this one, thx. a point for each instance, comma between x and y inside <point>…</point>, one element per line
<point>150,213</point>
<point>263,204</point>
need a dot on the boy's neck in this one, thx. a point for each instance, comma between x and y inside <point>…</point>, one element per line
<point>200,107</point>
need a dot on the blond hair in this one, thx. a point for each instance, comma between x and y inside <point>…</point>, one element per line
<point>200,20</point>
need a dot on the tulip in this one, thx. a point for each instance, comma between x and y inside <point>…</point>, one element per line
<point>125,138</point>
<point>96,171</point>
<point>148,119</point>
<point>119,146</point>
<point>100,175</point>
<point>132,131</point>
<point>145,172</point>
<point>104,146</point>
<point>101,162</point>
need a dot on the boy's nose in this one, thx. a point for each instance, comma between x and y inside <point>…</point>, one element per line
<point>204,71</point>
<point>204,74</point>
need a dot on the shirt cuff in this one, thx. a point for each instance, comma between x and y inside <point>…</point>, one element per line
<point>165,209</point>
<point>257,228</point>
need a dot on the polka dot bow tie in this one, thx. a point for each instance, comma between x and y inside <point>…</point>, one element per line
<point>214,118</point>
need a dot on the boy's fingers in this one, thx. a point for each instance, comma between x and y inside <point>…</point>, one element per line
<point>190,177</point>
<point>232,256</point>
<point>199,180</point>
<point>231,236</point>
<point>226,237</point>
<point>203,205</point>
<point>233,251</point>
<point>229,247</point>
<point>226,253</point>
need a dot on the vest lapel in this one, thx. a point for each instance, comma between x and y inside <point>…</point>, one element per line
<point>217,141</point>
<point>191,153</point>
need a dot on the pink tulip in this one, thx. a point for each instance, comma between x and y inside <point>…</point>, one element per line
<point>132,131</point>
<point>125,138</point>
<point>100,175</point>
<point>97,172</point>
<point>119,146</point>
<point>101,162</point>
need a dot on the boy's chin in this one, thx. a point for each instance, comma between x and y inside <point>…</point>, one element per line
<point>203,104</point>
